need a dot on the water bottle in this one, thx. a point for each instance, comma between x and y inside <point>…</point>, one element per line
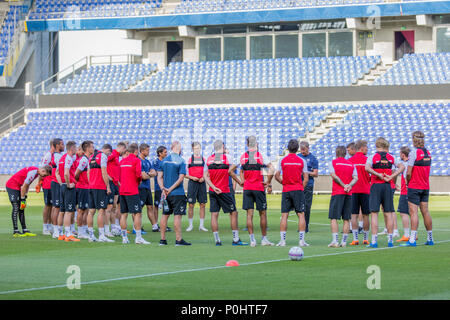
<point>166,206</point>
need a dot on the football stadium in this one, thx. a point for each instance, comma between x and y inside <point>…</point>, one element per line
<point>224,150</point>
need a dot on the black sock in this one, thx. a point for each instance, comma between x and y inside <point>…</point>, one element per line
<point>22,220</point>
<point>15,211</point>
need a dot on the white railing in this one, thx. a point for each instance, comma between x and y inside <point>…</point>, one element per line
<point>15,118</point>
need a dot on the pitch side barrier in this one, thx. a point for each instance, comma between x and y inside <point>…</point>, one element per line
<point>253,96</point>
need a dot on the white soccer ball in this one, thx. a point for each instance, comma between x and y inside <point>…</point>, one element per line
<point>296,253</point>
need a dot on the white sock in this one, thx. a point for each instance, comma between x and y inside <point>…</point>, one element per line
<point>412,237</point>
<point>390,237</point>
<point>430,235</point>
<point>406,232</point>
<point>138,234</point>
<point>91,231</point>
<point>366,235</point>
<point>283,235</point>
<point>202,222</point>
<point>355,235</point>
<point>68,231</point>
<point>101,232</point>
<point>344,237</point>
<point>72,227</point>
<point>384,230</point>
<point>124,234</point>
<point>301,236</point>
<point>374,238</point>
<point>360,224</point>
<point>252,237</point>
<point>55,227</point>
<point>216,236</point>
<point>335,237</point>
<point>155,226</point>
<point>235,235</point>
<point>107,228</point>
<point>264,238</point>
<point>395,230</point>
<point>60,229</point>
<point>351,228</point>
<point>191,222</point>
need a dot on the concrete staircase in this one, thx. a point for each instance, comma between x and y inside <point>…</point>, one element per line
<point>375,73</point>
<point>168,6</point>
<point>325,126</point>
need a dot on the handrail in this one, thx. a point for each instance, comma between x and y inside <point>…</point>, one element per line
<point>10,121</point>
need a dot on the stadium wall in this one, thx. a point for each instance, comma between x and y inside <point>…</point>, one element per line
<point>439,184</point>
<point>262,96</point>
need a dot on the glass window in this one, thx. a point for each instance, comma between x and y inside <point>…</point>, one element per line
<point>286,27</point>
<point>340,44</point>
<point>234,48</point>
<point>443,40</point>
<point>235,29</point>
<point>261,47</point>
<point>260,28</point>
<point>313,45</point>
<point>209,30</point>
<point>210,49</point>
<point>286,46</point>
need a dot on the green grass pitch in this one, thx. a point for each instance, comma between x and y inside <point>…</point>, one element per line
<point>35,268</point>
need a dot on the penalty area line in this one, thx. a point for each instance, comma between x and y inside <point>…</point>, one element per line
<point>201,269</point>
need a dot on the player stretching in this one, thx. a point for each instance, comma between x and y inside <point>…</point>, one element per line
<point>66,172</point>
<point>47,187</point>
<point>196,186</point>
<point>145,192</point>
<point>217,170</point>
<point>58,145</point>
<point>344,175</point>
<point>252,164</point>
<point>289,174</point>
<point>403,202</point>
<point>418,180</point>
<point>360,192</point>
<point>130,176</point>
<point>170,179</point>
<point>82,188</point>
<point>99,190</point>
<point>17,187</point>
<point>380,167</point>
<point>161,153</point>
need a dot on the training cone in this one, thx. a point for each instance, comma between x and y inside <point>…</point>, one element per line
<point>232,263</point>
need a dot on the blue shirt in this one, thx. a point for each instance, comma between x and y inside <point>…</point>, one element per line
<point>155,165</point>
<point>172,166</point>
<point>312,163</point>
<point>146,167</point>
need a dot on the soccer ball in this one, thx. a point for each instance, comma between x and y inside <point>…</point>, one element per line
<point>296,253</point>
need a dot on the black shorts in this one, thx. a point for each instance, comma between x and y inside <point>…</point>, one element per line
<point>196,191</point>
<point>158,194</point>
<point>68,199</point>
<point>130,204</point>
<point>114,192</point>
<point>47,197</point>
<point>56,194</point>
<point>340,207</point>
<point>145,196</point>
<point>83,199</point>
<point>416,196</point>
<point>293,200</point>
<point>177,205</point>
<point>13,195</point>
<point>403,204</point>
<point>97,199</point>
<point>360,200</point>
<point>232,195</point>
<point>252,196</point>
<point>224,201</point>
<point>381,194</point>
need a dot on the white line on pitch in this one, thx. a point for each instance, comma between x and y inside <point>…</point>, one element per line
<point>199,269</point>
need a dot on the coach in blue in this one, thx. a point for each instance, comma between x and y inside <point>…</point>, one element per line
<point>313,171</point>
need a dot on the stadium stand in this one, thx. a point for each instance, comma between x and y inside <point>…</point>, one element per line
<point>277,124</point>
<point>7,30</point>
<point>429,68</point>
<point>55,9</point>
<point>105,78</point>
<point>193,6</point>
<point>263,73</point>
<point>372,121</point>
